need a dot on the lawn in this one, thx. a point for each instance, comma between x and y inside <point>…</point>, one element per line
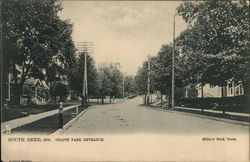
<point>46,125</point>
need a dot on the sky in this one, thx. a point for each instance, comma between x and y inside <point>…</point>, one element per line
<point>123,31</point>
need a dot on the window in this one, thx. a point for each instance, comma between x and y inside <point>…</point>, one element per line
<point>237,90</point>
<point>241,89</point>
<point>25,90</point>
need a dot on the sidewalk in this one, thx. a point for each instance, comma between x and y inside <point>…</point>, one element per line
<point>156,104</point>
<point>29,119</point>
<point>215,111</point>
<point>233,117</point>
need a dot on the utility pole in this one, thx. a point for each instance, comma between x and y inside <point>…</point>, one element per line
<point>102,86</point>
<point>85,79</point>
<point>85,48</point>
<point>148,89</point>
<point>173,64</point>
<point>123,86</point>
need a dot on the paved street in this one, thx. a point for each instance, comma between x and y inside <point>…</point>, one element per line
<point>131,117</point>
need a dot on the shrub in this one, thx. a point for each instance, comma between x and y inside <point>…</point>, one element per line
<point>59,89</point>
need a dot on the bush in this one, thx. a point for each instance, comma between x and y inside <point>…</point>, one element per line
<point>59,89</point>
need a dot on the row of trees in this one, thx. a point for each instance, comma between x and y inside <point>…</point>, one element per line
<point>213,49</point>
<point>105,81</point>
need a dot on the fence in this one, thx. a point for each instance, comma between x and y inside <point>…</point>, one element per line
<point>232,104</point>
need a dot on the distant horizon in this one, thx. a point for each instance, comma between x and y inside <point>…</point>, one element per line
<point>123,31</point>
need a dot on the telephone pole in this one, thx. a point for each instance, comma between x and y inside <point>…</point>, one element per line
<point>85,80</point>
<point>86,48</point>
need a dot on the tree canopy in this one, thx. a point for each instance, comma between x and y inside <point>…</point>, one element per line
<point>75,75</point>
<point>36,42</point>
<point>216,41</point>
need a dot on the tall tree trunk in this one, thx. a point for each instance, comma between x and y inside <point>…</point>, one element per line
<point>18,90</point>
<point>61,98</point>
<point>102,98</point>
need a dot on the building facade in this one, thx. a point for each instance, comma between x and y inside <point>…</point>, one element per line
<point>232,89</point>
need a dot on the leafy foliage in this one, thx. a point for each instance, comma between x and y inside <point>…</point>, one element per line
<point>35,39</point>
<point>216,41</point>
<point>129,85</point>
<point>141,79</point>
<point>59,89</point>
<point>111,81</point>
<point>75,75</point>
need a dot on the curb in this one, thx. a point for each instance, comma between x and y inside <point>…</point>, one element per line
<point>207,117</point>
<point>72,121</point>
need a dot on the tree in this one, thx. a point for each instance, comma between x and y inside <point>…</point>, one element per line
<point>111,81</point>
<point>218,37</point>
<point>141,81</point>
<point>59,89</point>
<point>194,63</point>
<point>161,71</point>
<point>129,85</point>
<point>75,75</point>
<point>34,39</point>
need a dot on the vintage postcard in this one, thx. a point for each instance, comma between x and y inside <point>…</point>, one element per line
<point>124,80</point>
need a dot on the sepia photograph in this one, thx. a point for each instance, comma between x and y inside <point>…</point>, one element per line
<point>119,80</point>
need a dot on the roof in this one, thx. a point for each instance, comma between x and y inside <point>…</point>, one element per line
<point>32,81</point>
<point>45,84</point>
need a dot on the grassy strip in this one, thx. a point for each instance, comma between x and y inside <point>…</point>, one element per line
<point>46,125</point>
<point>218,115</point>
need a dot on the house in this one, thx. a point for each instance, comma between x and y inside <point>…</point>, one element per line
<point>34,90</point>
<point>232,89</point>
